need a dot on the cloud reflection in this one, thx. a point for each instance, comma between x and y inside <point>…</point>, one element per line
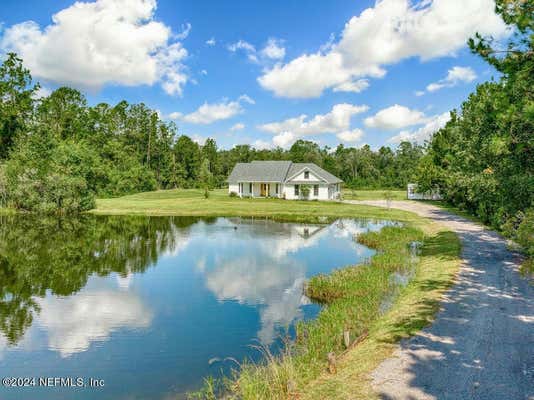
<point>73,323</point>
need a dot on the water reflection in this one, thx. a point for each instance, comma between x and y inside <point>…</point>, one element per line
<point>57,256</point>
<point>73,323</point>
<point>98,295</point>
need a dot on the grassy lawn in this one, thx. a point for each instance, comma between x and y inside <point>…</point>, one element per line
<point>191,202</point>
<point>379,194</point>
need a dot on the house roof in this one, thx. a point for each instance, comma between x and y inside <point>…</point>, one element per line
<point>275,171</point>
<point>321,173</point>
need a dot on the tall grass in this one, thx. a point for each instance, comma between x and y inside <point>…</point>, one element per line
<point>352,297</point>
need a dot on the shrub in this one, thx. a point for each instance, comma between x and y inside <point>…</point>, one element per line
<point>233,194</point>
<point>305,191</point>
<point>525,232</point>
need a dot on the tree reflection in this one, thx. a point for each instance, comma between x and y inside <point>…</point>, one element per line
<point>57,256</point>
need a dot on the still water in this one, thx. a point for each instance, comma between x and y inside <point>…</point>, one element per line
<point>149,306</point>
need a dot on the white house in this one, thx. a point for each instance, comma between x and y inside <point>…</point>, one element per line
<point>283,179</point>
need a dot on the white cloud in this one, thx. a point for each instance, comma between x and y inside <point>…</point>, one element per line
<point>284,139</point>
<point>241,45</point>
<point>200,140</point>
<point>274,49</point>
<point>246,99</point>
<point>246,47</point>
<point>203,72</point>
<point>211,42</point>
<point>237,127</point>
<point>336,121</point>
<point>455,76</point>
<point>356,86</point>
<point>350,136</point>
<point>92,44</point>
<point>262,145</point>
<point>208,113</point>
<point>419,93</point>
<point>434,124</point>
<point>395,117</point>
<point>186,29</point>
<point>42,92</point>
<point>385,34</point>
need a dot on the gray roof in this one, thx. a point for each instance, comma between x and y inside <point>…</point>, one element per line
<point>275,171</point>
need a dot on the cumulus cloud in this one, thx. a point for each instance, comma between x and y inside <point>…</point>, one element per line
<point>284,139</point>
<point>92,44</point>
<point>352,86</point>
<point>237,127</point>
<point>261,144</point>
<point>423,133</point>
<point>211,42</point>
<point>395,117</point>
<point>274,49</point>
<point>336,121</point>
<point>455,76</point>
<point>382,35</point>
<point>208,113</point>
<point>350,136</point>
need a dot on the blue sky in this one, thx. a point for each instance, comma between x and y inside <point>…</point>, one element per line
<point>264,73</point>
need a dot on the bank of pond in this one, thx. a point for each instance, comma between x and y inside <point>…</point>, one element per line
<point>177,299</point>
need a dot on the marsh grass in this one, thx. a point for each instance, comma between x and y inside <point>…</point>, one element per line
<point>352,297</point>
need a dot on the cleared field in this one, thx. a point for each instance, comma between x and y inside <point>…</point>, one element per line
<point>192,202</point>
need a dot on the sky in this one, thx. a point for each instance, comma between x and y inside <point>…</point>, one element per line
<point>264,73</point>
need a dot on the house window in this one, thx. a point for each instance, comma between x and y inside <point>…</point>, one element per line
<point>296,190</point>
<point>250,187</point>
<point>306,174</point>
<point>316,190</point>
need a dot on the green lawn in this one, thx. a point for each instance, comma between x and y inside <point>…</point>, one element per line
<point>192,202</point>
<point>373,194</point>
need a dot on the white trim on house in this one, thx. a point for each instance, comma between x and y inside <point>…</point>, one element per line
<point>246,181</point>
<point>304,170</point>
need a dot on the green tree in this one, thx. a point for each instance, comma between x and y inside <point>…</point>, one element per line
<point>16,101</point>
<point>205,176</point>
<point>187,154</point>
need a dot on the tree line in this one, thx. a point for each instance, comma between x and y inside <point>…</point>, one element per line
<point>57,153</point>
<point>482,161</point>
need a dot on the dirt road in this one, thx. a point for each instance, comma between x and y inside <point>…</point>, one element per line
<point>481,345</point>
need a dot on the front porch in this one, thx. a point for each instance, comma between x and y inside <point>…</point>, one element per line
<point>259,189</point>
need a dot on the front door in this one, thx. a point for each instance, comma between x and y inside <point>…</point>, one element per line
<point>264,190</point>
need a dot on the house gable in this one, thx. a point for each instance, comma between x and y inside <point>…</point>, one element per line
<point>305,175</point>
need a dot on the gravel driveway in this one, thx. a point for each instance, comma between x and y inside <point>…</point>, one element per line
<point>481,345</point>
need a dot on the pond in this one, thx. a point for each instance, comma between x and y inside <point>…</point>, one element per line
<point>148,306</point>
